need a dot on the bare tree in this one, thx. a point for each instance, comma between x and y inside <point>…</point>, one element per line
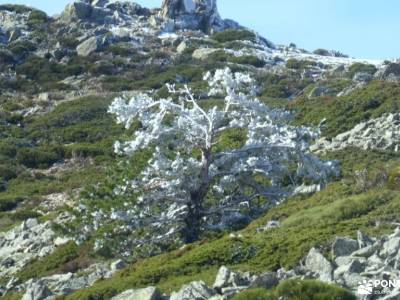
<point>188,185</point>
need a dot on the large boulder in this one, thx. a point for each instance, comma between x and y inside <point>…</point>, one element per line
<point>343,246</point>
<point>319,265</point>
<point>149,293</point>
<point>91,45</point>
<point>79,10</point>
<point>197,290</point>
<point>391,247</point>
<point>195,14</point>
<point>390,72</point>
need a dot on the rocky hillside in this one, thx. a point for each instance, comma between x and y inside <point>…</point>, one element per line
<point>68,230</point>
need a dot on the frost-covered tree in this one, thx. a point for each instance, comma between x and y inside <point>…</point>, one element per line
<point>190,183</point>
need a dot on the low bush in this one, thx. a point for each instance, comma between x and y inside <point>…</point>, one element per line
<point>296,64</point>
<point>37,157</point>
<point>37,17</point>
<point>322,52</point>
<point>234,35</point>
<point>311,290</point>
<point>47,265</point>
<point>248,60</point>
<point>361,68</point>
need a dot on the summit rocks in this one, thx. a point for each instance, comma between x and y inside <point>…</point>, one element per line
<point>195,14</point>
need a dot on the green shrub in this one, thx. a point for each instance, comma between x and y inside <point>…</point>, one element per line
<point>9,203</point>
<point>255,294</point>
<point>234,35</point>
<point>22,48</point>
<point>298,290</point>
<point>7,172</point>
<point>311,290</point>
<point>360,67</point>
<point>6,57</point>
<point>37,17</point>
<point>50,263</point>
<point>295,64</point>
<point>42,70</point>
<point>394,179</point>
<point>69,42</point>
<point>37,158</point>
<point>19,9</point>
<point>248,60</point>
<point>343,113</point>
<point>119,49</point>
<point>322,52</point>
<point>7,148</point>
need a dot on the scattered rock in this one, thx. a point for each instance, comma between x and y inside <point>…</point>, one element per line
<point>203,53</point>
<point>362,77</point>
<point>197,290</point>
<point>59,241</point>
<point>149,293</point>
<point>117,265</point>
<point>270,225</point>
<point>319,265</point>
<point>376,134</point>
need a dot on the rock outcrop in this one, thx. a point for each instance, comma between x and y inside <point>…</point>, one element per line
<point>21,244</point>
<point>63,284</point>
<point>376,134</point>
<point>195,14</point>
<point>101,11</point>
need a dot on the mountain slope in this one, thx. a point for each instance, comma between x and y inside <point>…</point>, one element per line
<point>58,77</point>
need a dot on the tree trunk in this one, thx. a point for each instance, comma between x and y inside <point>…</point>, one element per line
<point>195,207</point>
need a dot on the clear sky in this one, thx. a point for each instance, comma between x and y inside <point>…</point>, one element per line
<point>360,28</point>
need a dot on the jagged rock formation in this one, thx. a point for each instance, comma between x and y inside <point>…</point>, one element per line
<point>20,245</point>
<point>379,134</point>
<point>64,284</point>
<point>195,14</point>
<point>103,12</point>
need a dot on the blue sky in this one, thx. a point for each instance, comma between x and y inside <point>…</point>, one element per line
<point>360,28</point>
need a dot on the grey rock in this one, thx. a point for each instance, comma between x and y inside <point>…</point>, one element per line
<point>390,72</point>
<point>78,10</point>
<point>266,280</point>
<point>36,291</point>
<point>362,77</point>
<point>89,46</point>
<point>319,91</point>
<point>149,293</point>
<point>318,264</point>
<point>203,53</point>
<point>390,248</point>
<point>382,133</point>
<point>362,239</point>
<point>365,252</point>
<point>195,14</point>
<point>117,265</point>
<point>182,47</point>
<point>223,277</point>
<point>197,290</point>
<point>355,266</point>
<point>343,246</point>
